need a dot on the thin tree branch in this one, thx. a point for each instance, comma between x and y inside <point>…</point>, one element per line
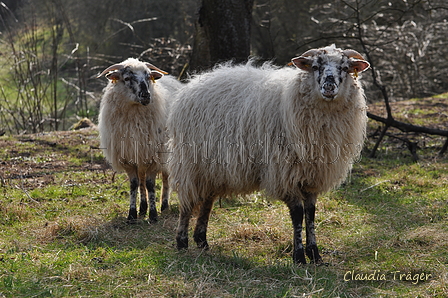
<point>406,127</point>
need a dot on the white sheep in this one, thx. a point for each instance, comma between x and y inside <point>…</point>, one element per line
<point>294,132</point>
<point>132,126</point>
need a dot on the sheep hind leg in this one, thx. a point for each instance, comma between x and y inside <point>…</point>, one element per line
<point>200,231</point>
<point>165,192</point>
<point>311,250</point>
<point>134,182</point>
<point>150,186</point>
<point>296,212</point>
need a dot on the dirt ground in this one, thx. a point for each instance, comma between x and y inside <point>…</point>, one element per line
<point>34,158</point>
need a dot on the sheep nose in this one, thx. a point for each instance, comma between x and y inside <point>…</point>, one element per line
<point>330,82</point>
<point>143,95</point>
<point>144,98</point>
<point>329,88</point>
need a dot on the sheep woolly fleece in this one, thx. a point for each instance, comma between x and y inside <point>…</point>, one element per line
<point>133,134</point>
<point>238,129</point>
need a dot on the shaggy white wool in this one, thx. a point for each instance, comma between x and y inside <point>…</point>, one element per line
<point>133,134</point>
<point>238,129</point>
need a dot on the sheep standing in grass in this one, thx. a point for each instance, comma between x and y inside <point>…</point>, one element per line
<point>132,126</point>
<point>294,132</point>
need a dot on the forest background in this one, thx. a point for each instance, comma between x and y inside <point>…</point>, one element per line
<point>52,50</point>
<point>63,209</point>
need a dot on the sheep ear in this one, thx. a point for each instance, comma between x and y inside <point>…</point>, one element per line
<point>155,75</point>
<point>357,65</point>
<point>303,63</point>
<point>113,76</point>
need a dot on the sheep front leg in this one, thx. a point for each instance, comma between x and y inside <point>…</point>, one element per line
<point>184,221</point>
<point>200,231</point>
<point>150,186</point>
<point>311,247</point>
<point>296,211</point>
<point>133,181</point>
<point>143,194</point>
<point>165,191</point>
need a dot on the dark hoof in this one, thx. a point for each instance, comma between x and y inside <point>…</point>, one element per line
<point>131,220</point>
<point>153,220</point>
<point>313,254</point>
<point>201,241</point>
<point>298,256</point>
<point>203,245</point>
<point>182,243</point>
<point>164,206</point>
<point>153,217</point>
<point>132,217</point>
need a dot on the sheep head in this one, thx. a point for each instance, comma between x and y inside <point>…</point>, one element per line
<point>330,67</point>
<point>136,76</point>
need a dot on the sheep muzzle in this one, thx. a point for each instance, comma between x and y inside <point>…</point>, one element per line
<point>143,96</point>
<point>145,101</point>
<point>329,88</point>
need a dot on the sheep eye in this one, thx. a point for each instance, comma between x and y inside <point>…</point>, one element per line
<point>345,68</point>
<point>127,79</point>
<point>315,68</point>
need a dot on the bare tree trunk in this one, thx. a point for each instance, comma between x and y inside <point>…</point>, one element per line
<point>57,33</point>
<point>222,32</point>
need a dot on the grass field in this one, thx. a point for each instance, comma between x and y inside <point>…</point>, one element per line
<point>63,230</point>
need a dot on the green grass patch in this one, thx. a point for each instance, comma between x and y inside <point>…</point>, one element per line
<point>63,232</point>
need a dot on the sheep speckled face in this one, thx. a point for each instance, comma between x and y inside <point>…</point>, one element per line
<point>330,67</point>
<point>329,72</point>
<point>138,83</point>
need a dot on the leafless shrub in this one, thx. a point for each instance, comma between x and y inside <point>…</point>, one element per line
<point>34,97</point>
<point>406,41</point>
<point>169,52</point>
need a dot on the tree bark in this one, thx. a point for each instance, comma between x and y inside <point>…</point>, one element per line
<point>222,32</point>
